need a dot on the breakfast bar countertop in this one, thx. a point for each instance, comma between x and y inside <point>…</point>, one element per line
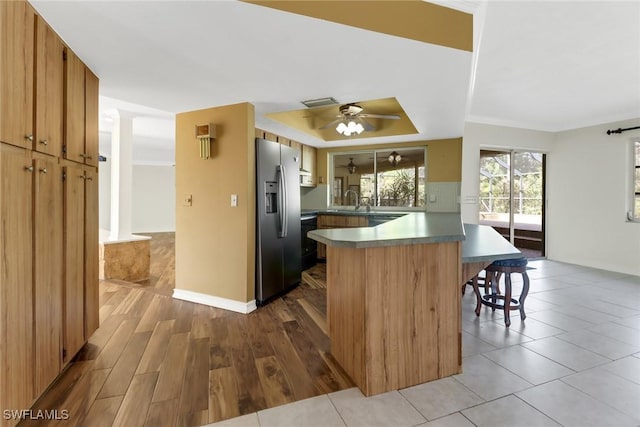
<point>410,229</point>
<point>484,244</point>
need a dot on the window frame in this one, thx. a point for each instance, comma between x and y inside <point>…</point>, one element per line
<point>375,152</point>
<point>633,214</point>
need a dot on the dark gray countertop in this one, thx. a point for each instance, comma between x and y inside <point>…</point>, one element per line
<point>483,243</point>
<point>480,243</point>
<point>409,229</point>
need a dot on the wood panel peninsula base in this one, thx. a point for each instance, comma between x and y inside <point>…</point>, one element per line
<point>393,300</point>
<point>394,313</point>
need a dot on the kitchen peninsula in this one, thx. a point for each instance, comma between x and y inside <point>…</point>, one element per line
<point>393,296</point>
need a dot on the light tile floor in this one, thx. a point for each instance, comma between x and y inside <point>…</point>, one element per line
<point>575,361</point>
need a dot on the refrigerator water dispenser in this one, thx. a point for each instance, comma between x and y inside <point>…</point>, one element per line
<point>271,197</point>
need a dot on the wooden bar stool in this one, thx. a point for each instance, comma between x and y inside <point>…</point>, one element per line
<point>505,302</point>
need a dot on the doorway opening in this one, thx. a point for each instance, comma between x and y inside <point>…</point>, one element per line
<point>512,195</point>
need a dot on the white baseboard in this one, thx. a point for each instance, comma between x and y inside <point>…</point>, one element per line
<point>213,301</point>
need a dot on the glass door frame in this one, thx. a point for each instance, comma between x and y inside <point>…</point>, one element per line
<point>512,198</point>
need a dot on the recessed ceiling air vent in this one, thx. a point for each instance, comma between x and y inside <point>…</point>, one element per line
<point>320,102</point>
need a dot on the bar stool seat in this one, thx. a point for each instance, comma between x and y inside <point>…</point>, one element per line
<point>504,302</point>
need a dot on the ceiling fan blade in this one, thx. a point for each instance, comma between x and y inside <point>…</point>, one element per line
<point>380,116</point>
<point>328,125</point>
<point>368,127</point>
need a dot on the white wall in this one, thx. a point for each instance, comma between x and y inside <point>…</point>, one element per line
<point>588,190</point>
<point>153,198</point>
<point>479,136</point>
<point>589,184</point>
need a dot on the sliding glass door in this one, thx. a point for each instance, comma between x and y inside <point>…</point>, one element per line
<point>512,197</point>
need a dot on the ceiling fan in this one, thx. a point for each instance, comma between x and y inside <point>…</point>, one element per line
<point>352,120</point>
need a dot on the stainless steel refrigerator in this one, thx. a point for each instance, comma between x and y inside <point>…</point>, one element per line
<point>278,248</point>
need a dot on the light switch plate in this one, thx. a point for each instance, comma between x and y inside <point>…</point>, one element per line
<point>234,200</point>
<point>187,200</point>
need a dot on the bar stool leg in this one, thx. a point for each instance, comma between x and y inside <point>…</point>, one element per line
<point>493,283</point>
<point>507,299</point>
<point>523,295</point>
<point>474,283</point>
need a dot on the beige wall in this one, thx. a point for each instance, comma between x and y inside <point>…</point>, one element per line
<point>215,243</point>
<point>444,158</point>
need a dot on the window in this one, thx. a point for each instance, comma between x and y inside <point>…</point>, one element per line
<point>635,212</point>
<point>381,178</point>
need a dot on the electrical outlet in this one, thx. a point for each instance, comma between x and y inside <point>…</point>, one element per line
<point>234,200</point>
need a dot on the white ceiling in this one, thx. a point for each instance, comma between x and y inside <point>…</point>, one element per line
<point>545,65</point>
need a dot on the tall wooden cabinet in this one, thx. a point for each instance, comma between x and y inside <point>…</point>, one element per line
<point>16,278</point>
<point>48,226</point>
<point>74,260</point>
<point>47,256</point>
<point>91,251</point>
<point>80,244</point>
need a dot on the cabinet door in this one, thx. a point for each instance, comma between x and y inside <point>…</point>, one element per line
<point>271,136</point>
<point>309,164</point>
<point>73,261</point>
<point>16,73</point>
<point>16,279</point>
<point>296,145</point>
<point>74,108</point>
<point>49,90</point>
<point>91,118</point>
<point>91,305</point>
<point>47,258</point>
<point>284,141</point>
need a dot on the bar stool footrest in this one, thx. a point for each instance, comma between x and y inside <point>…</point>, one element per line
<point>487,300</point>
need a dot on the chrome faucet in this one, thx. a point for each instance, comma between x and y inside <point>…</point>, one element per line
<point>357,197</point>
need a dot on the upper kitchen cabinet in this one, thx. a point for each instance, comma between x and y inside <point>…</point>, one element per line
<point>49,90</point>
<point>296,145</point>
<point>284,141</point>
<point>81,112</point>
<point>17,20</point>
<point>309,165</point>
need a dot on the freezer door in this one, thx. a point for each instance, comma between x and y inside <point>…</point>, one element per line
<point>289,159</point>
<point>269,247</point>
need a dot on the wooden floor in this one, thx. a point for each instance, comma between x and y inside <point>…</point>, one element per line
<point>156,361</point>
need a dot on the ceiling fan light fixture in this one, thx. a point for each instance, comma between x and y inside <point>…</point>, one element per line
<point>349,128</point>
<point>394,158</point>
<point>351,167</point>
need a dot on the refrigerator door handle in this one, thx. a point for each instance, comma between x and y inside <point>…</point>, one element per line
<point>282,204</point>
<point>285,208</point>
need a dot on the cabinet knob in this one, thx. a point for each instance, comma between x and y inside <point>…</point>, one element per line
<point>44,142</point>
<point>43,170</point>
<point>29,137</point>
<point>28,168</point>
